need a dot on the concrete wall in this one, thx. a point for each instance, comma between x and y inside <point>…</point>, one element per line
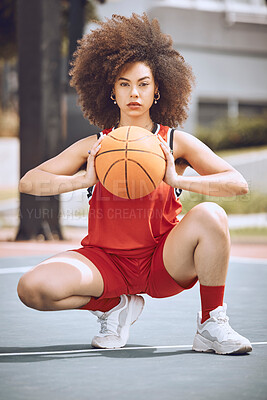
<point>229,61</point>
<point>207,29</point>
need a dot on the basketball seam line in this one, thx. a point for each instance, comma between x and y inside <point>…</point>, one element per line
<point>112,165</point>
<point>134,161</point>
<point>153,183</point>
<point>126,156</point>
<point>137,150</point>
<point>129,140</point>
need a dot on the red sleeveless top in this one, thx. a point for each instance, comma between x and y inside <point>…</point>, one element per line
<point>132,227</point>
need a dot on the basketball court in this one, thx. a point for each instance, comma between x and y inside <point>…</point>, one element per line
<point>47,355</point>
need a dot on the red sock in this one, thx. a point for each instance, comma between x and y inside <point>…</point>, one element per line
<point>211,298</point>
<point>103,305</point>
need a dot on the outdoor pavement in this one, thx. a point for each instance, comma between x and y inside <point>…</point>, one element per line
<point>248,248</point>
<point>47,355</point>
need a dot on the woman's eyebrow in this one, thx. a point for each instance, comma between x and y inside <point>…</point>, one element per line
<point>128,80</point>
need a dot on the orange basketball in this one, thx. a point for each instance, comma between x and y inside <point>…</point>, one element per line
<point>130,163</point>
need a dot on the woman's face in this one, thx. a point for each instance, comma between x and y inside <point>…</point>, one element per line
<point>135,89</point>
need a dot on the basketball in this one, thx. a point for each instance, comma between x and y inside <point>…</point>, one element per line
<point>130,163</point>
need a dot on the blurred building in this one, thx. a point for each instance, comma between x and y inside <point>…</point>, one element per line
<point>225,41</point>
<point>226,44</point>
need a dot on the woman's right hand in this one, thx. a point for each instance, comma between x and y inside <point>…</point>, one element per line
<point>58,174</point>
<point>90,175</point>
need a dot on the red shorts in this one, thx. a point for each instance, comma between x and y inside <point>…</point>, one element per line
<point>131,275</point>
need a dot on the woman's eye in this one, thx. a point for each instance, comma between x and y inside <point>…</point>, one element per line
<point>124,84</point>
<point>144,84</point>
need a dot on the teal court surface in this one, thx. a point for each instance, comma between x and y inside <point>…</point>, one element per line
<point>48,356</point>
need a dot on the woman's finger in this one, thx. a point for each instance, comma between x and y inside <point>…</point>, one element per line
<point>166,151</point>
<point>96,146</point>
<point>93,152</point>
<point>164,144</point>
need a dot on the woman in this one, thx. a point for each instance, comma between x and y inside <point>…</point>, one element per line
<point>127,73</point>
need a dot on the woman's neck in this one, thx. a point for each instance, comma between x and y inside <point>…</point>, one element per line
<point>142,123</point>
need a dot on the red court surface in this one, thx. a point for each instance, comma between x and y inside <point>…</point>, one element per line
<point>10,248</point>
<point>13,249</point>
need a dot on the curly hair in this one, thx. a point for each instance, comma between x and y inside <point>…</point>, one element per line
<point>101,55</point>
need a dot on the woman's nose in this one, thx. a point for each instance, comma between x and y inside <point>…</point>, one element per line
<point>134,92</point>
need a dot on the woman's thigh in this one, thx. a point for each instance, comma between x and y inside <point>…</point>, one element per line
<point>205,224</point>
<point>63,275</point>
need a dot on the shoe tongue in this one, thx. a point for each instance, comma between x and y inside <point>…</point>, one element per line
<point>219,311</point>
<point>99,314</point>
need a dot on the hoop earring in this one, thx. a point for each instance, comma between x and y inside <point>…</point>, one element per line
<point>112,96</point>
<point>157,98</point>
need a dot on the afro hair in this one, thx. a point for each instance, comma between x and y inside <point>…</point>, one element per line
<point>102,54</point>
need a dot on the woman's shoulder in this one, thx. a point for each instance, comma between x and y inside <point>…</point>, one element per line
<point>181,135</point>
<point>183,144</point>
<point>88,139</point>
<point>81,147</point>
<point>186,138</point>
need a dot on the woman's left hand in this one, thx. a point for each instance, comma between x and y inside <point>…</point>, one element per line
<point>170,174</point>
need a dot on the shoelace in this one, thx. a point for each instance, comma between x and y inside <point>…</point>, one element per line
<point>223,320</point>
<point>108,327</point>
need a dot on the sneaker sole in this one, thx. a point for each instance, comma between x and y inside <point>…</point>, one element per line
<point>204,345</point>
<point>136,305</point>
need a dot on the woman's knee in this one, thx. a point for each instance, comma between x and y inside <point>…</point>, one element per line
<point>31,292</point>
<point>212,217</point>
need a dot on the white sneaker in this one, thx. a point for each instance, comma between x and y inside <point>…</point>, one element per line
<point>115,324</point>
<point>215,334</point>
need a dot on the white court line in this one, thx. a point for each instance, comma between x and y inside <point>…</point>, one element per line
<point>249,260</point>
<point>37,353</point>
<point>47,353</point>
<point>244,260</point>
<point>15,270</point>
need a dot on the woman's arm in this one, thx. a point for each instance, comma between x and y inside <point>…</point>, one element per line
<point>217,177</point>
<point>57,175</point>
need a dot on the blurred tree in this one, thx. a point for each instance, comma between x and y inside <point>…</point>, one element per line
<point>39,42</point>
<point>8,43</point>
<point>74,15</point>
<point>40,117</point>
<point>8,22</point>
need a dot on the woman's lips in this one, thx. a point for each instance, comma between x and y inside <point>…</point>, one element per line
<point>134,105</point>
